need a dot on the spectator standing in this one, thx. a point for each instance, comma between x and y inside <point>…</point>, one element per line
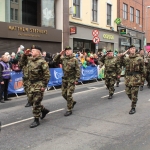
<point>4,78</point>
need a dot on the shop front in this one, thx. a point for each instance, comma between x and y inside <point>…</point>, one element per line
<point>83,39</point>
<point>128,37</point>
<point>13,35</point>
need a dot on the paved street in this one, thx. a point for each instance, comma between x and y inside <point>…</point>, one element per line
<point>97,123</point>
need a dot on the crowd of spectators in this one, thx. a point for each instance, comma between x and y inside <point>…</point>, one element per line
<point>85,59</point>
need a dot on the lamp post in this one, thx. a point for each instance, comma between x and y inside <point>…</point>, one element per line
<point>146,24</point>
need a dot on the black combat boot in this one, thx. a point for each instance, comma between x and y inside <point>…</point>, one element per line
<point>2,101</point>
<point>141,88</point>
<point>110,96</point>
<point>73,104</point>
<point>132,111</point>
<point>117,84</point>
<point>28,104</point>
<point>35,123</point>
<point>68,113</point>
<point>44,113</point>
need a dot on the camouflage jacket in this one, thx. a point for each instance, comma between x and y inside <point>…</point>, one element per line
<point>35,69</point>
<point>70,67</point>
<point>112,66</point>
<point>147,64</point>
<point>135,70</point>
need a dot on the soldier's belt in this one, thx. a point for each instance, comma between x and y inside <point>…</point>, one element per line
<point>109,71</point>
<point>133,73</point>
<point>34,81</point>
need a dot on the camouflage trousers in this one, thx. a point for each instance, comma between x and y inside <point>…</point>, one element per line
<point>35,97</point>
<point>132,93</point>
<point>117,80</point>
<point>26,85</point>
<point>109,82</point>
<point>68,88</point>
<point>148,78</point>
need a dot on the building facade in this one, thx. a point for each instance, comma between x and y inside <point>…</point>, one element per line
<point>27,22</point>
<point>86,16</point>
<point>131,27</point>
<point>147,22</point>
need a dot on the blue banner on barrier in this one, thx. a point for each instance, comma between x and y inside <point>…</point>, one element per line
<point>88,73</point>
<point>16,85</point>
<point>56,77</point>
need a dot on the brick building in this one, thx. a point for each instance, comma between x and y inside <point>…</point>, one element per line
<point>131,29</point>
<point>147,22</point>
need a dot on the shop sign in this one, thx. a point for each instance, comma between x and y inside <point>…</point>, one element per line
<point>107,36</point>
<point>73,30</point>
<point>123,31</point>
<point>118,21</point>
<point>28,32</point>
<point>125,43</point>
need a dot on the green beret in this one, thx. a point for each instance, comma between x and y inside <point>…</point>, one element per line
<point>36,47</point>
<point>131,46</point>
<point>67,48</point>
<point>109,51</point>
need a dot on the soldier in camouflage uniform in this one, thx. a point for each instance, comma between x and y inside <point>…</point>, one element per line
<point>112,71</point>
<point>143,78</point>
<point>71,76</point>
<point>37,77</point>
<point>25,81</point>
<point>134,65</point>
<point>119,63</point>
<point>147,65</point>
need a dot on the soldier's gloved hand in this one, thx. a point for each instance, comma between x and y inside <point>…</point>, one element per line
<point>42,89</point>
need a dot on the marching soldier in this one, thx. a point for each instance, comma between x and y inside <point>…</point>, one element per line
<point>112,71</point>
<point>119,63</point>
<point>134,65</point>
<point>38,77</point>
<point>143,78</point>
<point>147,65</point>
<point>71,76</point>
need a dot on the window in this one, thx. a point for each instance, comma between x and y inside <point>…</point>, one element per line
<point>132,14</point>
<point>76,6</point>
<point>11,13</point>
<point>137,16</point>
<point>108,14</point>
<point>125,11</point>
<point>16,1</point>
<point>94,10</point>
<point>16,14</point>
